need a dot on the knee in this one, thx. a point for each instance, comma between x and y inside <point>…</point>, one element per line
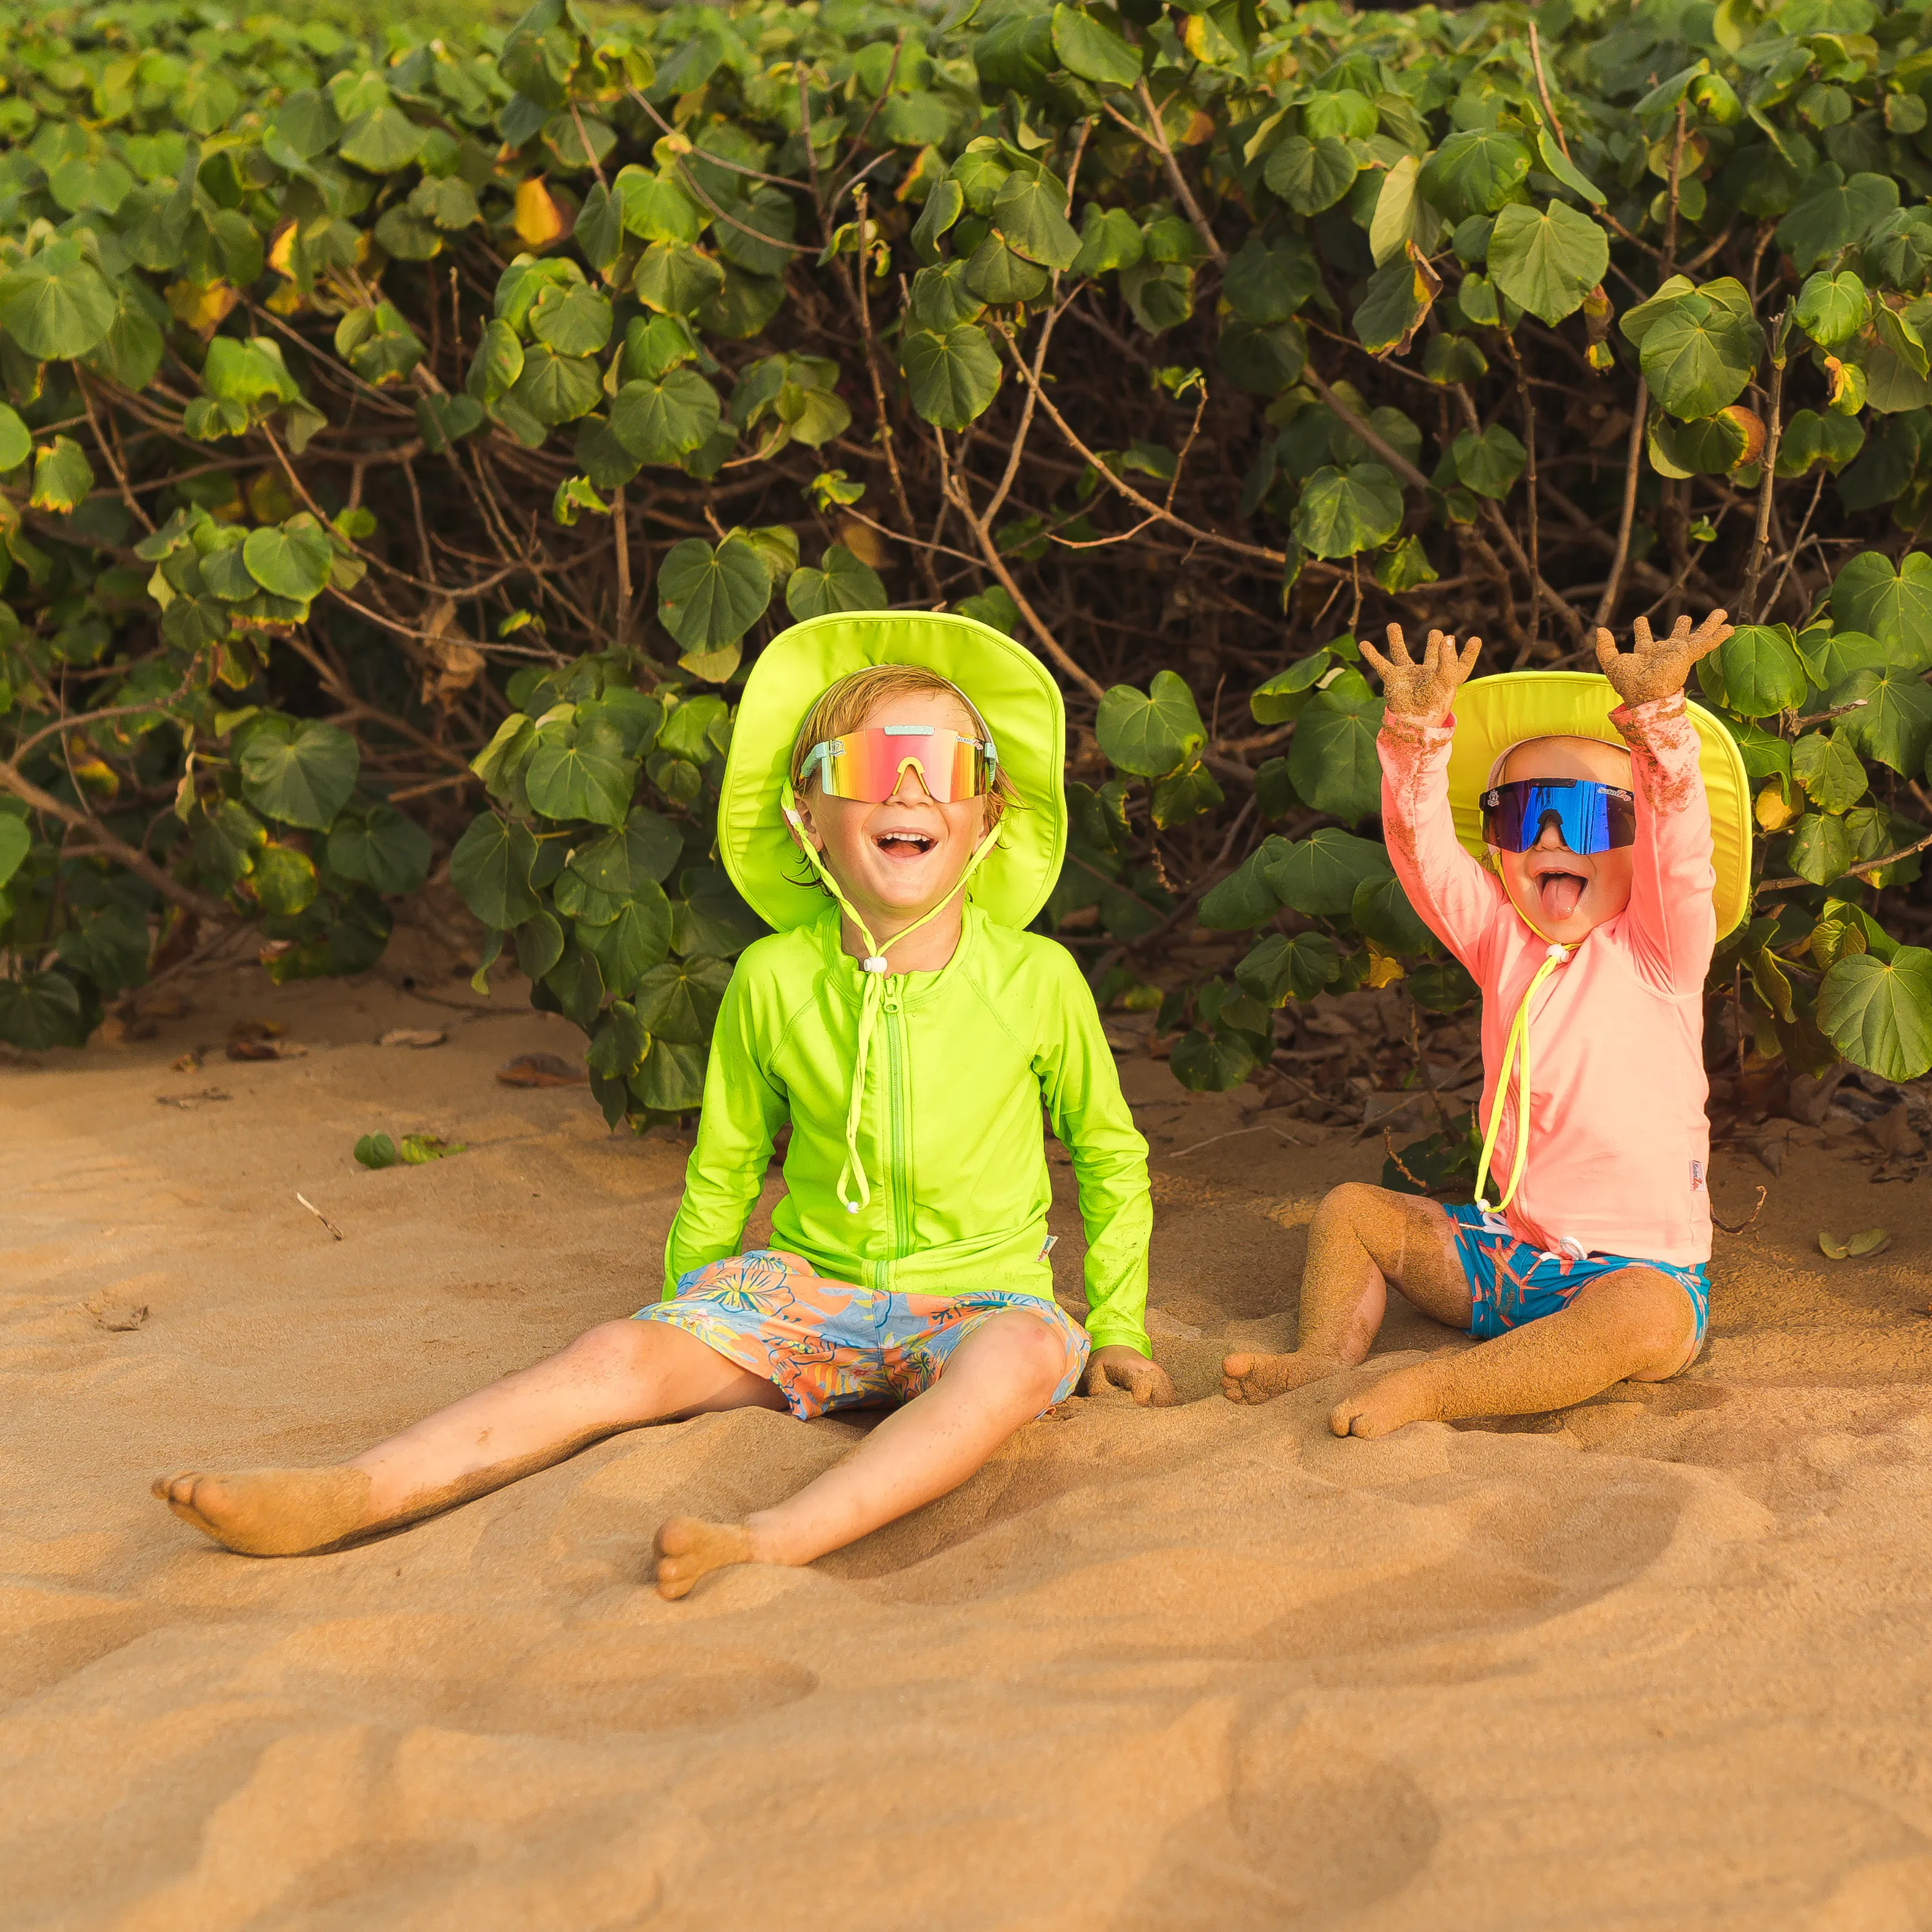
<point>1355,1204</point>
<point>613,1352</point>
<point>1036,1353</point>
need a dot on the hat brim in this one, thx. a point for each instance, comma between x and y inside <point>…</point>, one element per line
<point>1494,713</point>
<point>1014,694</point>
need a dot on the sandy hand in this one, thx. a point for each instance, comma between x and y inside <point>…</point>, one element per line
<point>1118,1366</point>
<point>271,1512</point>
<point>1657,667</point>
<point>1424,692</point>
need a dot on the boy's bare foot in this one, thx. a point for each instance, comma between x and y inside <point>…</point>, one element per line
<point>1391,1403</point>
<point>271,1512</point>
<point>1259,1378</point>
<point>687,1549</point>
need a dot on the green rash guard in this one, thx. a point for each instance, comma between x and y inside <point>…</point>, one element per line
<point>960,1064</point>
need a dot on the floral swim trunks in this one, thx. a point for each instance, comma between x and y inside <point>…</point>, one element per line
<point>1511,1283</point>
<point>828,1345</point>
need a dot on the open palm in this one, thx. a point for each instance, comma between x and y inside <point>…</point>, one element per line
<point>1424,692</point>
<point>1657,667</point>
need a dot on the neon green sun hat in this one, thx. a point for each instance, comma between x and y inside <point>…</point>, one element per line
<point>1494,714</point>
<point>1010,688</point>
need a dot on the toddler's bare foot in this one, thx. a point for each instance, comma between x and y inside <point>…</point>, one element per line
<point>271,1512</point>
<point>686,1548</point>
<point>1262,1377</point>
<point>1393,1401</point>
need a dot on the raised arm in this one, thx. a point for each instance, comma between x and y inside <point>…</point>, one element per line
<point>1456,897</point>
<point>1671,920</point>
<point>744,1109</point>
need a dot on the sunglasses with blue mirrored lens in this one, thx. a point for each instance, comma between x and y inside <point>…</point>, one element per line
<point>1589,816</point>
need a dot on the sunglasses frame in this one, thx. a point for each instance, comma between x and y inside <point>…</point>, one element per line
<point>1491,801</point>
<point>822,754</point>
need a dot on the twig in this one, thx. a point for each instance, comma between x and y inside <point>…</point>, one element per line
<point>1160,144</point>
<point>1234,1133</point>
<point>1543,87</point>
<point>319,1215</point>
<point>1742,1225</point>
<point>1607,604</point>
<point>1761,540</point>
<point>1879,864</point>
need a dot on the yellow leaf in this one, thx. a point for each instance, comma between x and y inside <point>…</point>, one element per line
<point>1384,968</point>
<point>201,306</point>
<point>96,776</point>
<point>864,542</point>
<point>1773,811</point>
<point>281,249</point>
<point>286,300</point>
<point>538,219</point>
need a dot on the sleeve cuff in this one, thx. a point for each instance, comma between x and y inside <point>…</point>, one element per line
<point>1650,723</point>
<point>1118,1335</point>
<point>1400,729</point>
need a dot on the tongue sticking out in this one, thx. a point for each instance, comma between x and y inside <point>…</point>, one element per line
<point>1560,892</point>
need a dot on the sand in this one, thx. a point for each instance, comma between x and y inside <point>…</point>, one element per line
<point>1663,1661</point>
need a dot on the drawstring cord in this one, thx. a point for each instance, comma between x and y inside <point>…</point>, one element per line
<point>1518,1042</point>
<point>874,969</point>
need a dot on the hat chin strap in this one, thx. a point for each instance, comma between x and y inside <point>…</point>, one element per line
<point>1517,1042</point>
<point>873,967</point>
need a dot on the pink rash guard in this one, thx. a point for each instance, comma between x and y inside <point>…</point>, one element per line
<point>1619,1146</point>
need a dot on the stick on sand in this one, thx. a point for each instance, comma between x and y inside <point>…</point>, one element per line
<point>318,1214</point>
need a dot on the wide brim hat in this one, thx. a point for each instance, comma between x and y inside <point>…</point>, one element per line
<point>1494,714</point>
<point>1008,685</point>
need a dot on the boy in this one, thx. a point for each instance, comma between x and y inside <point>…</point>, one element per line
<point>1591,937</point>
<point>913,1265</point>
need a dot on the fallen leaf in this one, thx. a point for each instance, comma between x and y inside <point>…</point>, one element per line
<point>376,1150</point>
<point>542,1069</point>
<point>1873,1241</point>
<point>257,1030</point>
<point>162,1006</point>
<point>186,1100</point>
<point>265,1049</point>
<point>417,1148</point>
<point>412,1037</point>
<point>451,663</point>
<point>188,1063</point>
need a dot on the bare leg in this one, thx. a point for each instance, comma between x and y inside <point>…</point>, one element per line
<point>1635,1324</point>
<point>1361,1240</point>
<point>999,1378</point>
<point>618,1375</point>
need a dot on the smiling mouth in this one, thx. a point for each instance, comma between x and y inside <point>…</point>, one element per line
<point>1561,892</point>
<point>906,844</point>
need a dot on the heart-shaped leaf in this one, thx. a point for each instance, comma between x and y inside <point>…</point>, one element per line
<point>1152,732</point>
<point>1311,175</point>
<point>1343,512</point>
<point>841,583</point>
<point>1894,607</point>
<point>678,1000</point>
<point>1333,761</point>
<point>491,867</point>
<point>1474,173</point>
<point>301,773</point>
<point>660,420</point>
<point>1318,874</point>
<point>56,305</point>
<point>953,373</point>
<point>289,561</point>
<point>1547,260</point>
<point>1093,52</point>
<point>1279,968</point>
<point>708,598</point>
<point>1761,670</point>
<point>578,770</point>
<point>1878,1012</point>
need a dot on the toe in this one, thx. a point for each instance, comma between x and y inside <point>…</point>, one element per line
<point>1341,1418</point>
<point>1235,1366</point>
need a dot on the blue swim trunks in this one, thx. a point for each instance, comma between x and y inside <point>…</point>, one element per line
<point>828,1345</point>
<point>1511,1283</point>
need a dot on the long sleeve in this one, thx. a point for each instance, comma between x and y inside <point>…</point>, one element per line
<point>1082,1089</point>
<point>744,1108</point>
<point>1672,922</point>
<point>1456,897</point>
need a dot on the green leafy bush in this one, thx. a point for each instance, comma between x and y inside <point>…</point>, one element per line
<point>407,440</point>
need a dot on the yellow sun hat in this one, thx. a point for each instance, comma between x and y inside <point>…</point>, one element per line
<point>1013,693</point>
<point>1493,714</point>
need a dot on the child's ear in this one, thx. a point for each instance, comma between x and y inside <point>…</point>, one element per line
<point>804,831</point>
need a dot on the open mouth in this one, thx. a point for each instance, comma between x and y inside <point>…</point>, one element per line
<point>904,845</point>
<point>1561,893</point>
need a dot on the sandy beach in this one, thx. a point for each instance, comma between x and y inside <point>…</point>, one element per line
<point>1663,1661</point>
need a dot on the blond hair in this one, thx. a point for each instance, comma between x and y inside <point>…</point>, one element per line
<point>846,705</point>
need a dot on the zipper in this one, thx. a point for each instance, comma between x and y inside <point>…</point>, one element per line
<point>899,1137</point>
